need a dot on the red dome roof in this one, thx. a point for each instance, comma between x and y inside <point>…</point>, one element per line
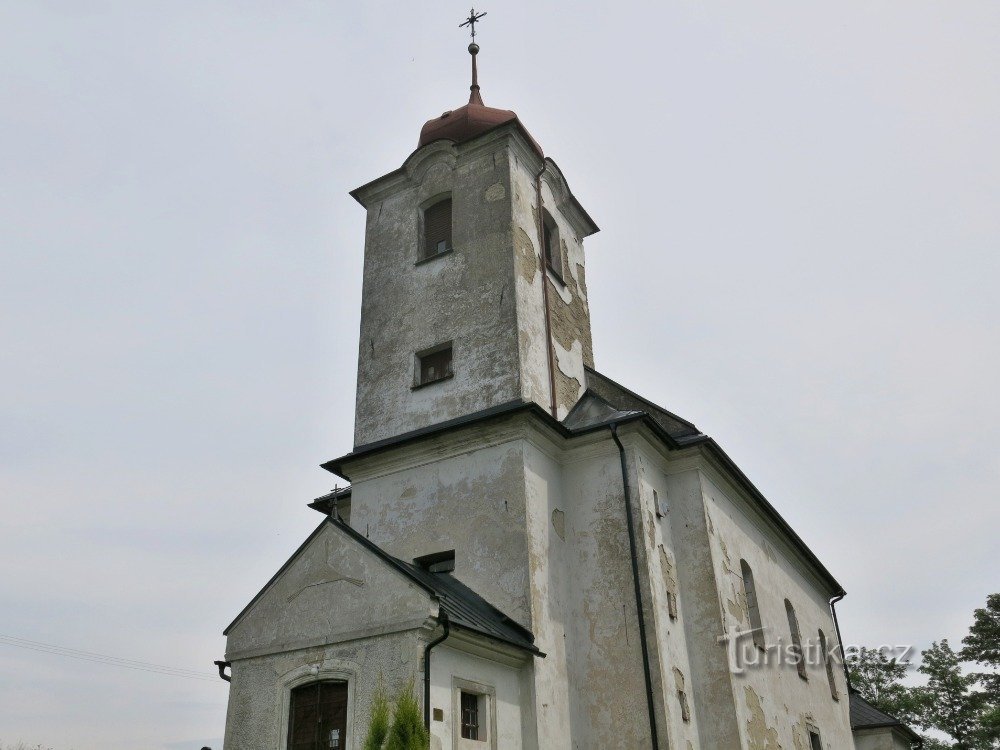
<point>475,118</point>
<point>464,123</point>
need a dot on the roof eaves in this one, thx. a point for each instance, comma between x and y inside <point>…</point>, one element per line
<point>335,465</point>
<point>773,514</point>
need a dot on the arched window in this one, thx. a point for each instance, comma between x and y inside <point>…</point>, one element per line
<point>829,665</point>
<point>551,247</point>
<point>796,649</point>
<point>317,716</point>
<point>752,607</point>
<point>437,228</point>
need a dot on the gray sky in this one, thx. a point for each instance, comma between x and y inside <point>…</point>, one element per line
<point>799,253</point>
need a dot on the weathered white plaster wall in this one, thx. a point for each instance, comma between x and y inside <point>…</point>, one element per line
<point>453,669</point>
<point>606,686</point>
<point>463,491</point>
<point>884,738</point>
<point>257,718</point>
<point>464,296</point>
<point>773,701</point>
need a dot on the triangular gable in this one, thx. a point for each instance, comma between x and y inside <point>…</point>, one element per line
<point>331,589</point>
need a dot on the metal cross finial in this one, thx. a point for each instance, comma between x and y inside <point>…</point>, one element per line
<point>471,22</point>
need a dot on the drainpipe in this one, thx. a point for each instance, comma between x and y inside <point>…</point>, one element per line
<point>443,619</point>
<point>638,592</point>
<point>222,670</point>
<point>840,640</point>
<point>540,221</point>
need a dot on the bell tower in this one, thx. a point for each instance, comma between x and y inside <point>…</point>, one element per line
<point>474,294</point>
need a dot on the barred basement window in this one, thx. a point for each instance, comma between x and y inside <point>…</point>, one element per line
<point>829,665</point>
<point>470,716</point>
<point>433,364</point>
<point>753,609</point>
<point>796,649</point>
<point>437,229</point>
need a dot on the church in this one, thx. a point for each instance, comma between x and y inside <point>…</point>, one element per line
<point>549,559</point>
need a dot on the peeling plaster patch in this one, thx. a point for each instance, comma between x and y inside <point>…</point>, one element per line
<point>564,293</point>
<point>678,678</point>
<point>527,260</point>
<point>667,568</point>
<point>727,563</point>
<point>495,192</point>
<point>759,735</point>
<point>569,364</point>
<point>737,605</point>
<point>559,523</point>
<point>651,529</point>
<point>711,526</point>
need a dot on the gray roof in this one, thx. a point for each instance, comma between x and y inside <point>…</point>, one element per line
<point>865,716</point>
<point>463,607</point>
<point>625,403</point>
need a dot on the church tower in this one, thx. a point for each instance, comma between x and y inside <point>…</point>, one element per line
<point>474,292</point>
<point>547,559</point>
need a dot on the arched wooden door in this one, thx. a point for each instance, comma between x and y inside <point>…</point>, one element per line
<point>317,716</point>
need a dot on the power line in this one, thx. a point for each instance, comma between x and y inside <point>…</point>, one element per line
<point>114,661</point>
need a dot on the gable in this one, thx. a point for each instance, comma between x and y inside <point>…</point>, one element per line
<point>331,590</point>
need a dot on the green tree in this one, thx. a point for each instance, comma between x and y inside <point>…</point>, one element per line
<point>378,725</point>
<point>948,702</point>
<point>982,645</point>
<point>879,681</point>
<point>408,731</point>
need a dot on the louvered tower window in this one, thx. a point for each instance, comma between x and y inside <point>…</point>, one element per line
<point>437,229</point>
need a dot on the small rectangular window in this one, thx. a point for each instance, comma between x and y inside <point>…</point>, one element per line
<point>470,716</point>
<point>815,743</point>
<point>434,364</point>
<point>437,229</point>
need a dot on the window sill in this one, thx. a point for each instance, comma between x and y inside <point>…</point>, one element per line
<point>429,258</point>
<point>555,276</point>
<point>418,386</point>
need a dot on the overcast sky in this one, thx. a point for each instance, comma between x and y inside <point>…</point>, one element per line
<point>800,212</point>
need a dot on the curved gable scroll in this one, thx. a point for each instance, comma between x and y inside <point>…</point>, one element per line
<point>423,160</point>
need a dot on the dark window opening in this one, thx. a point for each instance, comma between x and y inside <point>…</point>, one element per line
<point>437,562</point>
<point>829,665</point>
<point>753,609</point>
<point>470,716</point>
<point>434,364</point>
<point>551,248</point>
<point>437,229</point>
<point>796,650</point>
<point>815,743</point>
<point>317,716</point>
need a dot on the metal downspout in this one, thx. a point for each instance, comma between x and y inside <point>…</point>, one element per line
<point>540,221</point>
<point>443,619</point>
<point>638,592</point>
<point>840,640</point>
